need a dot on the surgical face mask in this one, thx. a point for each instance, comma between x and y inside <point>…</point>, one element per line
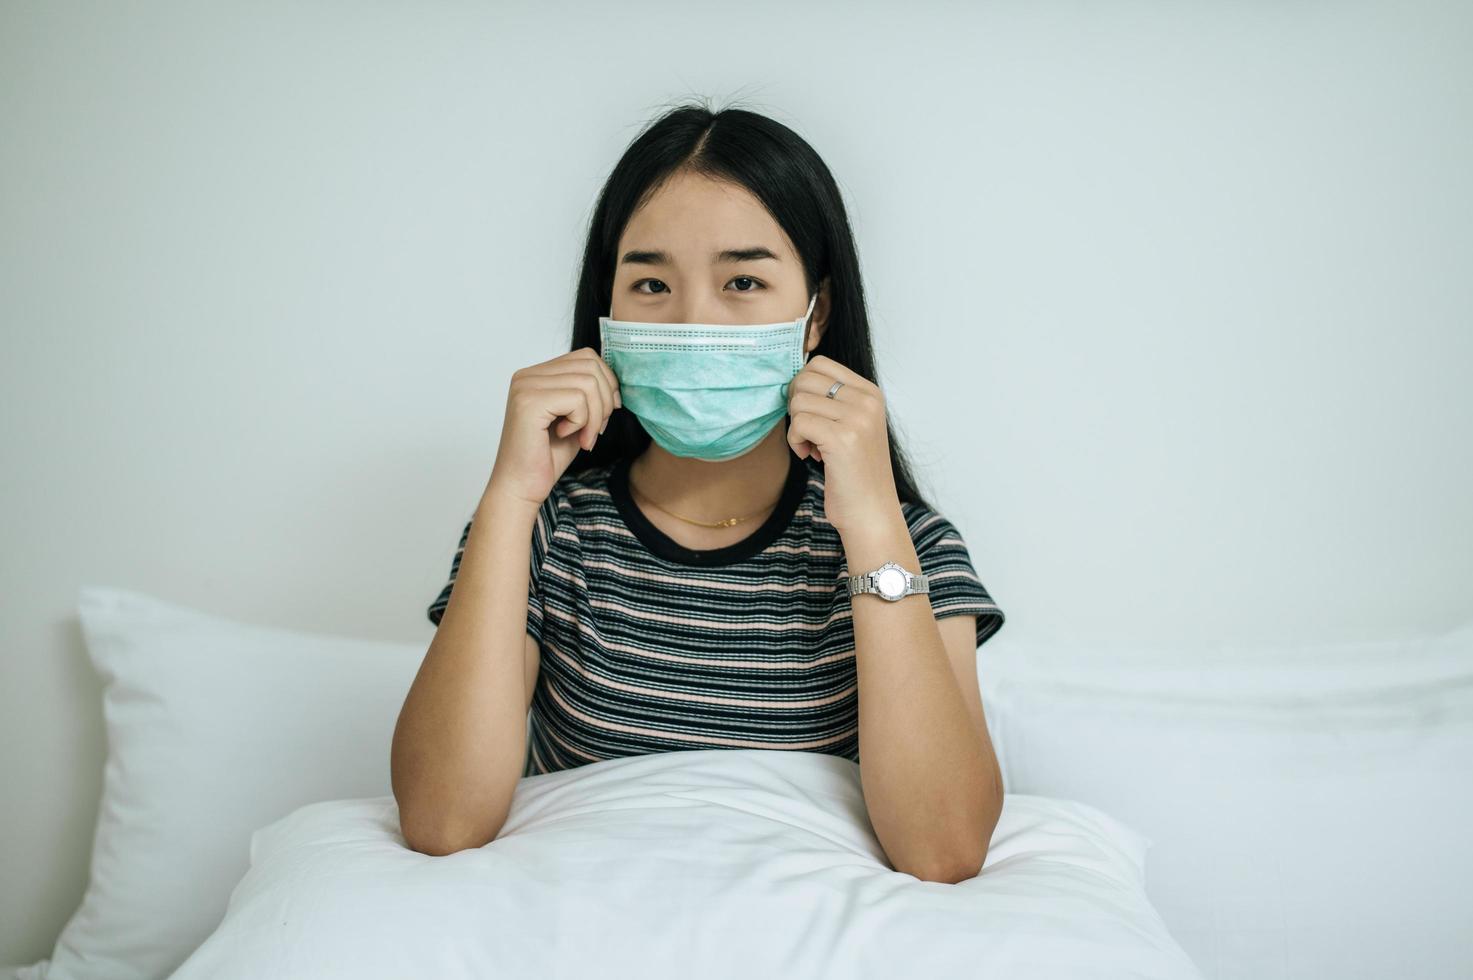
<point>705,390</point>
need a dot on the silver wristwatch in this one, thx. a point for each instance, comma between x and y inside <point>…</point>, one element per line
<point>889,581</point>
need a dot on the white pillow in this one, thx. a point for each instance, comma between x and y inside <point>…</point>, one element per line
<point>214,728</point>
<point>718,863</point>
<point>1308,805</point>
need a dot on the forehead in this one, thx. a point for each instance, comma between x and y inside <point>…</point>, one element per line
<point>693,216</point>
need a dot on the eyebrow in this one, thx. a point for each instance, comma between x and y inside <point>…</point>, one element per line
<point>657,257</point>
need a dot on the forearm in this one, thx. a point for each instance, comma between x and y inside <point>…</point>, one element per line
<point>931,785</point>
<point>458,747</point>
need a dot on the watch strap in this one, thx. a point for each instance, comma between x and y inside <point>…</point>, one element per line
<point>916,583</point>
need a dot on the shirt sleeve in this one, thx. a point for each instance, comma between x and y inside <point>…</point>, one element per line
<point>954,586</point>
<point>542,531</point>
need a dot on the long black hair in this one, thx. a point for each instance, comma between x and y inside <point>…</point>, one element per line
<point>783,172</point>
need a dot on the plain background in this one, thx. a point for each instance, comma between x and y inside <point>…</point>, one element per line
<point>1172,306</point>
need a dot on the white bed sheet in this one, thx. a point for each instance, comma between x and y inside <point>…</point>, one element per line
<point>722,863</point>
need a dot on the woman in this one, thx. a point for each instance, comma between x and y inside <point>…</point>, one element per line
<point>681,499</point>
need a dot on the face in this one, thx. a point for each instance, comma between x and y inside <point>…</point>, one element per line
<point>704,251</point>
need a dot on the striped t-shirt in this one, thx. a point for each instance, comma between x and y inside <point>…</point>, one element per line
<point>649,646</point>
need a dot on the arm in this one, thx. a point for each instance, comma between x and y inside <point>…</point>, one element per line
<point>460,742</point>
<point>931,781</point>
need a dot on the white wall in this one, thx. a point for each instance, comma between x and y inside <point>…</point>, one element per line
<point>1172,304</point>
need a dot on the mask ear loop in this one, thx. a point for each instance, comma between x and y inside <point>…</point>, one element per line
<point>803,336</point>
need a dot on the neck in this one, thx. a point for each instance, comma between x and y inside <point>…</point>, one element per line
<point>707,491</point>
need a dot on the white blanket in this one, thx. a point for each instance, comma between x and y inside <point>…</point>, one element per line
<point>714,863</point>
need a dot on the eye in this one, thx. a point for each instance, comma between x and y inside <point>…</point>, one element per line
<point>756,284</point>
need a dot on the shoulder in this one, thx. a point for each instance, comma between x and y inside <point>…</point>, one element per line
<point>955,587</point>
<point>929,528</point>
<point>939,543</point>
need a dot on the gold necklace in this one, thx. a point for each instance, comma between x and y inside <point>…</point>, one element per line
<point>728,522</point>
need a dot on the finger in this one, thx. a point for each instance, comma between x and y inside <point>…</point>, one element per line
<point>559,365</point>
<point>818,384</point>
<point>801,445</point>
<point>567,402</point>
<point>600,403</point>
<point>608,389</point>
<point>813,430</point>
<point>822,366</point>
<point>609,373</point>
<point>586,426</point>
<point>821,405</point>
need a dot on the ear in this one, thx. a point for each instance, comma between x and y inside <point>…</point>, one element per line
<point>819,320</point>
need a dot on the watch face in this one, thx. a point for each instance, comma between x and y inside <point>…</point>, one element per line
<point>891,582</point>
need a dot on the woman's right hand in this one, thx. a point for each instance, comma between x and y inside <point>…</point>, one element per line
<point>553,409</point>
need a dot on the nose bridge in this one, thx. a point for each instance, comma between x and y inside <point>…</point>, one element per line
<point>696,310</point>
<point>697,306</point>
<point>701,311</point>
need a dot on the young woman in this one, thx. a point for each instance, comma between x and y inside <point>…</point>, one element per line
<point>674,513</point>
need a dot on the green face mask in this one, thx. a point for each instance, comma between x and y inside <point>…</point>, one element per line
<point>707,391</point>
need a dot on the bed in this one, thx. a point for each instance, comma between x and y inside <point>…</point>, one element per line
<point>1213,812</point>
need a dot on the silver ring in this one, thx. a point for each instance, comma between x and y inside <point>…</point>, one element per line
<point>833,388</point>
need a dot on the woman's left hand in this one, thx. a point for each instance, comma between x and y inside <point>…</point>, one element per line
<point>847,433</point>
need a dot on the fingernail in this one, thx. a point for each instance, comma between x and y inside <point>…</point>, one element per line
<point>603,427</point>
